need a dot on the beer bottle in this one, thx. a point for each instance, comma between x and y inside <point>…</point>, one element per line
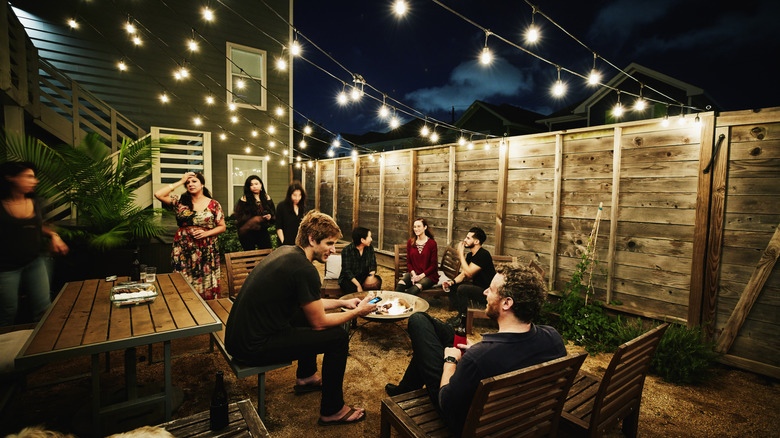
<point>219,404</point>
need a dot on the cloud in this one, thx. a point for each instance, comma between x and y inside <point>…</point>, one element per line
<point>620,19</point>
<point>471,81</point>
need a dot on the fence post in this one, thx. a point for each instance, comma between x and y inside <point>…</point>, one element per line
<point>335,190</point>
<point>381,230</point>
<point>614,207</point>
<point>556,212</point>
<point>356,193</point>
<point>451,196</point>
<point>412,187</point>
<point>503,175</point>
<point>317,181</point>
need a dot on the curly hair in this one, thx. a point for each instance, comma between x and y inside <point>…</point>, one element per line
<point>526,288</point>
<point>319,226</point>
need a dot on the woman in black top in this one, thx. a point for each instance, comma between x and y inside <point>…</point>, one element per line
<point>254,214</point>
<point>21,230</point>
<point>290,213</point>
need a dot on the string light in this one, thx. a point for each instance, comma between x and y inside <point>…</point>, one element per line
<point>434,136</point>
<point>192,45</point>
<point>279,111</point>
<point>640,103</point>
<point>336,143</point>
<point>558,88</point>
<point>681,120</point>
<point>130,28</point>
<point>208,14</point>
<point>295,48</point>
<point>121,66</point>
<point>307,129</point>
<point>247,149</point>
<point>281,64</point>
<point>198,121</point>
<point>697,121</point>
<point>617,111</point>
<point>394,122</point>
<point>223,136</point>
<point>486,57</point>
<point>284,152</point>
<point>384,111</point>
<point>267,157</point>
<point>137,40</point>
<point>532,33</point>
<point>271,143</point>
<point>665,121</point>
<point>254,133</point>
<point>298,158</point>
<point>73,23</point>
<point>232,106</point>
<point>240,84</point>
<point>309,165</point>
<point>234,119</point>
<point>302,144</point>
<point>354,153</point>
<point>470,144</point>
<point>462,139</point>
<point>210,100</point>
<point>424,131</point>
<point>400,8</point>
<point>331,153</point>
<point>354,94</point>
<point>298,165</point>
<point>282,163</point>
<point>342,98</point>
<point>164,98</point>
<point>487,146</point>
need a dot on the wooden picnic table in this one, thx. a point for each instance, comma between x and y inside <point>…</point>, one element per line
<point>82,321</point>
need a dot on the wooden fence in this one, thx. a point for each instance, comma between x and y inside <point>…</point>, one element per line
<point>536,197</point>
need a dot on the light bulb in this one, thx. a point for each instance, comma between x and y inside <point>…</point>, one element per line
<point>487,146</point>
<point>73,23</point>
<point>617,111</point>
<point>559,88</point>
<point>121,66</point>
<point>424,131</point>
<point>192,45</point>
<point>307,129</point>
<point>267,157</point>
<point>184,72</point>
<point>342,98</point>
<point>198,121</point>
<point>298,158</point>
<point>271,143</point>
<point>281,64</point>
<point>208,14</point>
<point>331,153</point>
<point>336,143</point>
<point>394,123</point>
<point>681,119</point>
<point>461,141</point>
<point>309,165</point>
<point>665,121</point>
<point>247,149</point>
<point>234,119</point>
<point>697,121</point>
<point>302,144</point>
<point>354,153</point>
<point>210,100</point>
<point>640,104</point>
<point>284,152</point>
<point>295,48</point>
<point>223,136</point>
<point>254,133</point>
<point>400,8</point>
<point>232,106</point>
<point>130,28</point>
<point>279,111</point>
<point>164,98</point>
<point>384,111</point>
<point>434,137</point>
<point>355,93</point>
<point>271,129</point>
<point>298,165</point>
<point>486,57</point>
<point>137,40</point>
<point>532,34</point>
<point>470,146</point>
<point>594,78</point>
<point>282,163</point>
<point>240,84</point>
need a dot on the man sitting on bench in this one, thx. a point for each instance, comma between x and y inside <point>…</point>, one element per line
<point>476,266</point>
<point>514,299</point>
<point>279,316</point>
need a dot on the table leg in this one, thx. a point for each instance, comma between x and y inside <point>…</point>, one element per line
<point>96,394</point>
<point>131,386</point>
<point>168,384</point>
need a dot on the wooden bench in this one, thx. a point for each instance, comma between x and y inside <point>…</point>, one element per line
<point>239,265</point>
<point>243,421</point>
<point>221,308</point>
<point>472,312</point>
<point>595,405</point>
<point>331,288</point>
<point>525,402</point>
<point>450,265</point>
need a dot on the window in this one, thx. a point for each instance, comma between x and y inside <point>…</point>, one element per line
<point>246,78</point>
<point>240,167</point>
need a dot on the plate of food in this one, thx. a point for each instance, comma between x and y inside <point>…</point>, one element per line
<point>391,305</point>
<point>133,294</point>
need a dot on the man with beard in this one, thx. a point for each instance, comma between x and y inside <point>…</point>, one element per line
<point>514,299</point>
<point>279,316</point>
<point>476,272</point>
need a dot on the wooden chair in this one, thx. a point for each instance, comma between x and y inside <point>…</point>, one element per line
<point>595,405</point>
<point>525,402</point>
<point>239,265</point>
<point>473,312</point>
<point>450,265</point>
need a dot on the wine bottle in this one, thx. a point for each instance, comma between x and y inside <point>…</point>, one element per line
<point>219,404</point>
<point>135,267</point>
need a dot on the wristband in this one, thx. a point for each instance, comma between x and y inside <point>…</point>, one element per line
<point>450,359</point>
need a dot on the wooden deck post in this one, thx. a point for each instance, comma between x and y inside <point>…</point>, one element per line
<point>503,176</point>
<point>614,209</point>
<point>556,212</point>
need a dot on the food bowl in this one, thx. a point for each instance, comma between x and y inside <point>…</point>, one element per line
<point>133,294</point>
<point>413,303</point>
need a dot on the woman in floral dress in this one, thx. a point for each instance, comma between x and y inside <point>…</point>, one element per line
<point>200,218</point>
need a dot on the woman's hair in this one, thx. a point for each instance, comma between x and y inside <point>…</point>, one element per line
<point>296,185</point>
<point>186,198</point>
<point>249,196</point>
<point>428,231</point>
<point>11,169</point>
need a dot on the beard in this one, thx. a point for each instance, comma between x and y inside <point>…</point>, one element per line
<point>492,311</point>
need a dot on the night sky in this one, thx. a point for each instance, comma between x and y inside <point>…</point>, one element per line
<point>428,60</point>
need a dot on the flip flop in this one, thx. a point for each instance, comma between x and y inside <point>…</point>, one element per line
<point>305,389</point>
<point>343,420</point>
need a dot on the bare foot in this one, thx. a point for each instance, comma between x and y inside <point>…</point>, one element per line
<point>356,415</point>
<point>313,379</point>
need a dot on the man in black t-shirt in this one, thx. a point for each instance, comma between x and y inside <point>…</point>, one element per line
<point>476,266</point>
<point>279,317</point>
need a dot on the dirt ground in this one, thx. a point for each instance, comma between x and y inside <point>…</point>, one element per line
<point>733,404</point>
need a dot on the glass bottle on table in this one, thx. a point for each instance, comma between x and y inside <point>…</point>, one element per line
<point>135,267</point>
<point>218,418</point>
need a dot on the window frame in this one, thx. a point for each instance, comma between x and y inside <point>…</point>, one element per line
<point>263,80</point>
<point>229,175</point>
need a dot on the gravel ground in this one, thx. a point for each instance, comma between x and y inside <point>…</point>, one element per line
<point>732,404</point>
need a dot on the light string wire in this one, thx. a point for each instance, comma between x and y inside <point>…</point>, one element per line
<point>608,62</point>
<point>541,58</point>
<point>410,111</point>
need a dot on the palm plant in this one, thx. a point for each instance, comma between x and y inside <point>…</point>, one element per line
<point>99,184</point>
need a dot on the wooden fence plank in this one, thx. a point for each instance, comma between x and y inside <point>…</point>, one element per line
<point>556,211</point>
<point>613,221</point>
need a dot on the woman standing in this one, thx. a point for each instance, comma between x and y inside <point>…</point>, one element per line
<point>254,214</point>
<point>21,230</point>
<point>289,214</point>
<point>200,218</point>
<point>421,255</point>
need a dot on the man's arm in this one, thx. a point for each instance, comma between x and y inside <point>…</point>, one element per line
<point>319,320</point>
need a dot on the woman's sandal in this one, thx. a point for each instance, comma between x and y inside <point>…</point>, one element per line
<point>344,419</point>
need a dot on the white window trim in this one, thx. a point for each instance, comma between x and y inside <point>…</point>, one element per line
<point>229,75</point>
<point>264,177</point>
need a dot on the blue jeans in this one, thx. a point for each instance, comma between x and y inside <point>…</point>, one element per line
<point>33,279</point>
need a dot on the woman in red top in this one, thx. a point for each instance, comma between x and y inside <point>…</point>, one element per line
<point>421,260</point>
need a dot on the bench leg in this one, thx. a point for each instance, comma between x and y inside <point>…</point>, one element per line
<point>631,424</point>
<point>469,322</point>
<point>384,425</point>
<point>261,395</point>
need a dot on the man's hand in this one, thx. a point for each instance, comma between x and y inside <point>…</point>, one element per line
<point>452,351</point>
<point>364,307</point>
<point>350,303</point>
<point>461,246</point>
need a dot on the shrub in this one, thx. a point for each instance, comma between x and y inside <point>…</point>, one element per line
<point>684,356</point>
